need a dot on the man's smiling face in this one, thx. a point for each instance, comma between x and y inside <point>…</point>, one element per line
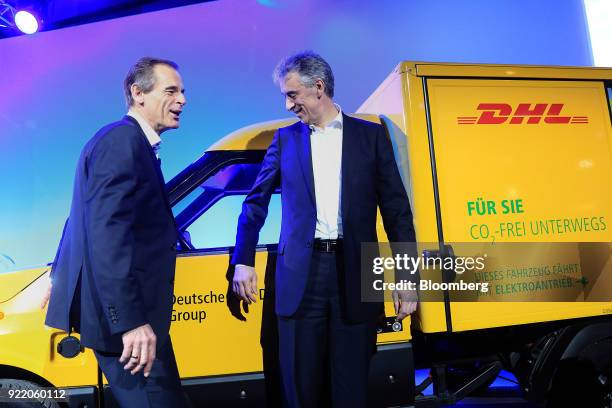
<point>304,101</point>
<point>163,105</point>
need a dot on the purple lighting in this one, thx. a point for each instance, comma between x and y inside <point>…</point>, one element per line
<point>26,22</point>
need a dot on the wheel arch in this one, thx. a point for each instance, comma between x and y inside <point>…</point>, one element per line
<point>11,372</point>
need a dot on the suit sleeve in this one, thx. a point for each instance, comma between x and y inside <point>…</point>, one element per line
<point>255,206</point>
<point>109,221</point>
<point>393,199</point>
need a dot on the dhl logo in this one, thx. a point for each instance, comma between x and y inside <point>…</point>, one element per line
<point>498,113</point>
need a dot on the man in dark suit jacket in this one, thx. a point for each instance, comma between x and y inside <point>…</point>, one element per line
<point>113,276</point>
<point>334,171</point>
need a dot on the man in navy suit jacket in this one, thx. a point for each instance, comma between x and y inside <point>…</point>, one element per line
<point>334,171</point>
<point>113,275</point>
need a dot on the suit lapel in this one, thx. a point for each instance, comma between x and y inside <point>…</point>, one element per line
<point>156,164</point>
<point>160,179</point>
<point>305,158</point>
<point>348,159</point>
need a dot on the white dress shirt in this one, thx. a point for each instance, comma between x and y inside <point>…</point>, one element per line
<point>151,134</point>
<point>326,147</point>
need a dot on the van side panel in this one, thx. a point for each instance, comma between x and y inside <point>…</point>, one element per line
<point>539,152</point>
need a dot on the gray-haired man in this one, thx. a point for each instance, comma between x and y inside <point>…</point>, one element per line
<point>334,171</point>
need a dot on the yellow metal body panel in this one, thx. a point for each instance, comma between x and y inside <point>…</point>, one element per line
<point>11,283</point>
<point>558,170</point>
<point>564,171</point>
<point>215,342</point>
<point>26,343</point>
<point>253,137</point>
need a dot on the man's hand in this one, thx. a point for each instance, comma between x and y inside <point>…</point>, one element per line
<point>405,302</point>
<point>245,283</point>
<point>139,349</point>
<point>46,296</point>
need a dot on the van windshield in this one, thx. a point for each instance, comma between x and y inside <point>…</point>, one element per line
<point>211,191</point>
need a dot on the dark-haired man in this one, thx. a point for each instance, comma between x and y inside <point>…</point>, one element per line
<point>113,275</point>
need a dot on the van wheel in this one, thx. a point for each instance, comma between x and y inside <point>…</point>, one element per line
<point>578,384</point>
<point>22,385</point>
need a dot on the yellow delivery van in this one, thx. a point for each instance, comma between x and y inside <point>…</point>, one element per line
<point>510,163</point>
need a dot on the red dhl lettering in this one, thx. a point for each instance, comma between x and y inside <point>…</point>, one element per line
<point>525,113</point>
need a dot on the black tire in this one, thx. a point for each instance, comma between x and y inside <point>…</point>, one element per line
<point>576,384</point>
<point>11,384</point>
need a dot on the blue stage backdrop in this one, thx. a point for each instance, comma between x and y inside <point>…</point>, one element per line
<point>59,87</point>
